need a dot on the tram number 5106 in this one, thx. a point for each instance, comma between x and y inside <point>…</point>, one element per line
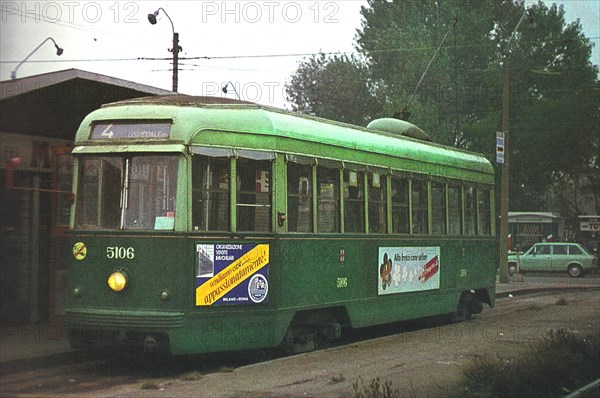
<point>120,253</point>
<point>342,283</point>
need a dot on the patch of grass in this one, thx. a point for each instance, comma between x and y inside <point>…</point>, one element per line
<point>375,389</point>
<point>337,379</point>
<point>532,307</point>
<point>150,385</point>
<point>550,367</point>
<point>191,376</point>
<point>561,301</point>
<point>226,369</point>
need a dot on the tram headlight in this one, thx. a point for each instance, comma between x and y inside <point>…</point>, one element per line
<point>117,281</point>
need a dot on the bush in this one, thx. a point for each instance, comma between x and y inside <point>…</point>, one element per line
<point>375,389</point>
<point>551,367</point>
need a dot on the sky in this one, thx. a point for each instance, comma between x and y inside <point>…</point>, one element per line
<point>254,45</point>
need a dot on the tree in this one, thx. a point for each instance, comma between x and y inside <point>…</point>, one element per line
<point>554,112</point>
<point>399,39</point>
<point>336,88</point>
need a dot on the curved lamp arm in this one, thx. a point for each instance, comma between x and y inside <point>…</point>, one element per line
<point>229,83</point>
<point>59,52</point>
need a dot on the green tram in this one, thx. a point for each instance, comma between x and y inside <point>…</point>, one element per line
<point>202,226</point>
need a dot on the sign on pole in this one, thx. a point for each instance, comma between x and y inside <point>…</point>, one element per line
<point>500,147</point>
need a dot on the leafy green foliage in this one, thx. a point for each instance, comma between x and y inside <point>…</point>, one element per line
<point>554,113</point>
<point>335,88</point>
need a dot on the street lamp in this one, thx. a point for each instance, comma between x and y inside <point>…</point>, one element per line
<point>234,90</point>
<point>504,182</point>
<point>59,51</point>
<point>175,50</point>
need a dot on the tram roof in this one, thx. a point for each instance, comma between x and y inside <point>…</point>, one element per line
<point>195,118</point>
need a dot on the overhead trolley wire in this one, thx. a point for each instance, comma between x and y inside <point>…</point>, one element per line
<point>249,56</point>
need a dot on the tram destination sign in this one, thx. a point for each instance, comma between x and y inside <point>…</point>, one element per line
<point>130,131</point>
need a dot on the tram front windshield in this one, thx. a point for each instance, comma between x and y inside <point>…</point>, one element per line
<point>127,192</point>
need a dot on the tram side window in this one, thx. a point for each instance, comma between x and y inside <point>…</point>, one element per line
<point>300,208</point>
<point>483,212</point>
<point>400,219</point>
<point>377,203</point>
<point>328,199</point>
<point>470,211</point>
<point>354,201</point>
<point>134,192</point>
<point>151,192</point>
<point>455,210</point>
<point>438,208</point>
<point>99,193</point>
<point>253,201</point>
<point>419,206</point>
<point>210,193</point>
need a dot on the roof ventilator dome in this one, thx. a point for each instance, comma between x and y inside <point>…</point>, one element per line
<point>399,127</point>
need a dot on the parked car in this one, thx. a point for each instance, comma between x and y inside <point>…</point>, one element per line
<point>556,256</point>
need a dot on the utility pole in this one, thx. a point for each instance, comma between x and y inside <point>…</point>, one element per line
<point>504,195</point>
<point>175,51</point>
<point>504,183</point>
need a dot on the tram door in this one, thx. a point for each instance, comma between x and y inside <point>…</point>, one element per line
<point>62,176</point>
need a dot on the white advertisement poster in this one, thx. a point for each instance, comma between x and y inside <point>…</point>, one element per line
<point>408,269</point>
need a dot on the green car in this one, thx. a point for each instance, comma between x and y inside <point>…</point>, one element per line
<point>570,257</point>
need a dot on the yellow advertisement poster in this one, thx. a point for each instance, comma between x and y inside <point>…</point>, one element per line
<point>232,274</point>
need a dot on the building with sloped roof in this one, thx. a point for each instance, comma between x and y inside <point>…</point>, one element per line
<point>39,116</point>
